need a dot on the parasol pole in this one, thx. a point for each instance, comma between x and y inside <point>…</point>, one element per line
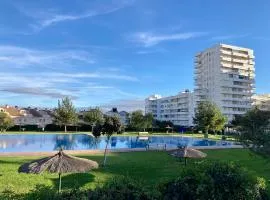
<point>59,189</point>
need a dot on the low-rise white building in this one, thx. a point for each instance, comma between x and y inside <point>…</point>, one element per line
<point>122,115</point>
<point>28,116</point>
<point>178,109</point>
<point>262,101</point>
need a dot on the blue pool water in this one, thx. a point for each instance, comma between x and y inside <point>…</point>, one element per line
<point>50,142</point>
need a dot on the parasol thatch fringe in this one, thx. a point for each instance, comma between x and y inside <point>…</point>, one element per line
<point>59,163</point>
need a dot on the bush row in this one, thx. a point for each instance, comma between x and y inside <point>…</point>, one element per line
<point>217,181</point>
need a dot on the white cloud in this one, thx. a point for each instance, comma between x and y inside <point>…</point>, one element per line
<point>148,39</point>
<point>262,38</point>
<point>58,85</point>
<point>45,19</point>
<point>128,105</point>
<point>151,51</point>
<point>52,93</point>
<point>94,75</point>
<point>228,37</point>
<point>19,57</point>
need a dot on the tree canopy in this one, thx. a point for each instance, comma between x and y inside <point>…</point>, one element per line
<point>148,121</point>
<point>93,116</point>
<point>65,113</point>
<point>139,121</point>
<point>208,117</point>
<point>254,128</point>
<point>111,125</point>
<point>5,121</point>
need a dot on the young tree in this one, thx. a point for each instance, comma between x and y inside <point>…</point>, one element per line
<point>111,125</point>
<point>209,117</point>
<point>254,128</point>
<point>5,121</point>
<point>148,121</point>
<point>137,120</point>
<point>94,117</point>
<point>65,114</point>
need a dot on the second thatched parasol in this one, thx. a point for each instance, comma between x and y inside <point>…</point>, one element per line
<point>59,163</point>
<point>186,152</point>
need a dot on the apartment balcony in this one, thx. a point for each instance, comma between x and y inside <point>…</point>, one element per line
<point>235,98</point>
<point>243,55</point>
<point>236,106</point>
<point>251,56</point>
<point>226,58</point>
<point>226,65</point>
<point>225,52</point>
<point>231,84</point>
<point>234,112</point>
<point>225,80</point>
<point>237,92</point>
<point>237,60</point>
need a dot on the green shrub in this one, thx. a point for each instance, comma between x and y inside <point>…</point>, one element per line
<point>121,188</point>
<point>219,181</point>
<point>182,188</point>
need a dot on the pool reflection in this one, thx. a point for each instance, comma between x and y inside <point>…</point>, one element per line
<point>49,142</point>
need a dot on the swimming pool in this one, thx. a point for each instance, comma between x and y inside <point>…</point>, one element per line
<point>51,142</point>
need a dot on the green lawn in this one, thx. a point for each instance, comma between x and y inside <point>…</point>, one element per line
<point>197,135</point>
<point>151,167</point>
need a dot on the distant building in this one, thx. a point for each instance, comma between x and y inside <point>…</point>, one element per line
<point>123,116</point>
<point>262,101</point>
<point>28,116</point>
<point>178,109</point>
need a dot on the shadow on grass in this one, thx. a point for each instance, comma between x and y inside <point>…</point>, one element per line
<point>76,180</point>
<point>12,162</point>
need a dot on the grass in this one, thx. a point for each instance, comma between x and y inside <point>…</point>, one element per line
<point>197,135</point>
<point>152,167</point>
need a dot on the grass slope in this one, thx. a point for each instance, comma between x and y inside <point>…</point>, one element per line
<point>151,167</point>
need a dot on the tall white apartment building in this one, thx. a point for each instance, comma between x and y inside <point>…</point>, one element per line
<point>178,109</point>
<point>262,101</point>
<point>224,74</point>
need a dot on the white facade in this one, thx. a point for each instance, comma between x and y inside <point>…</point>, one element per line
<point>28,116</point>
<point>262,101</point>
<point>123,116</point>
<point>178,109</point>
<point>41,118</point>
<point>224,74</point>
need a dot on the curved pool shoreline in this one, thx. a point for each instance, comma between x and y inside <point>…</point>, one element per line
<point>101,151</point>
<point>34,143</point>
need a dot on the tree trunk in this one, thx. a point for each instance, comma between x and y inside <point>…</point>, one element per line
<point>92,129</point>
<point>206,133</point>
<point>105,152</point>
<point>65,128</point>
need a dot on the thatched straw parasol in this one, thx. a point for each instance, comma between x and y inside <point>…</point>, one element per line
<point>59,163</point>
<point>186,152</point>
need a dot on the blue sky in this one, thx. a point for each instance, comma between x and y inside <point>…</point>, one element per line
<point>119,52</point>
